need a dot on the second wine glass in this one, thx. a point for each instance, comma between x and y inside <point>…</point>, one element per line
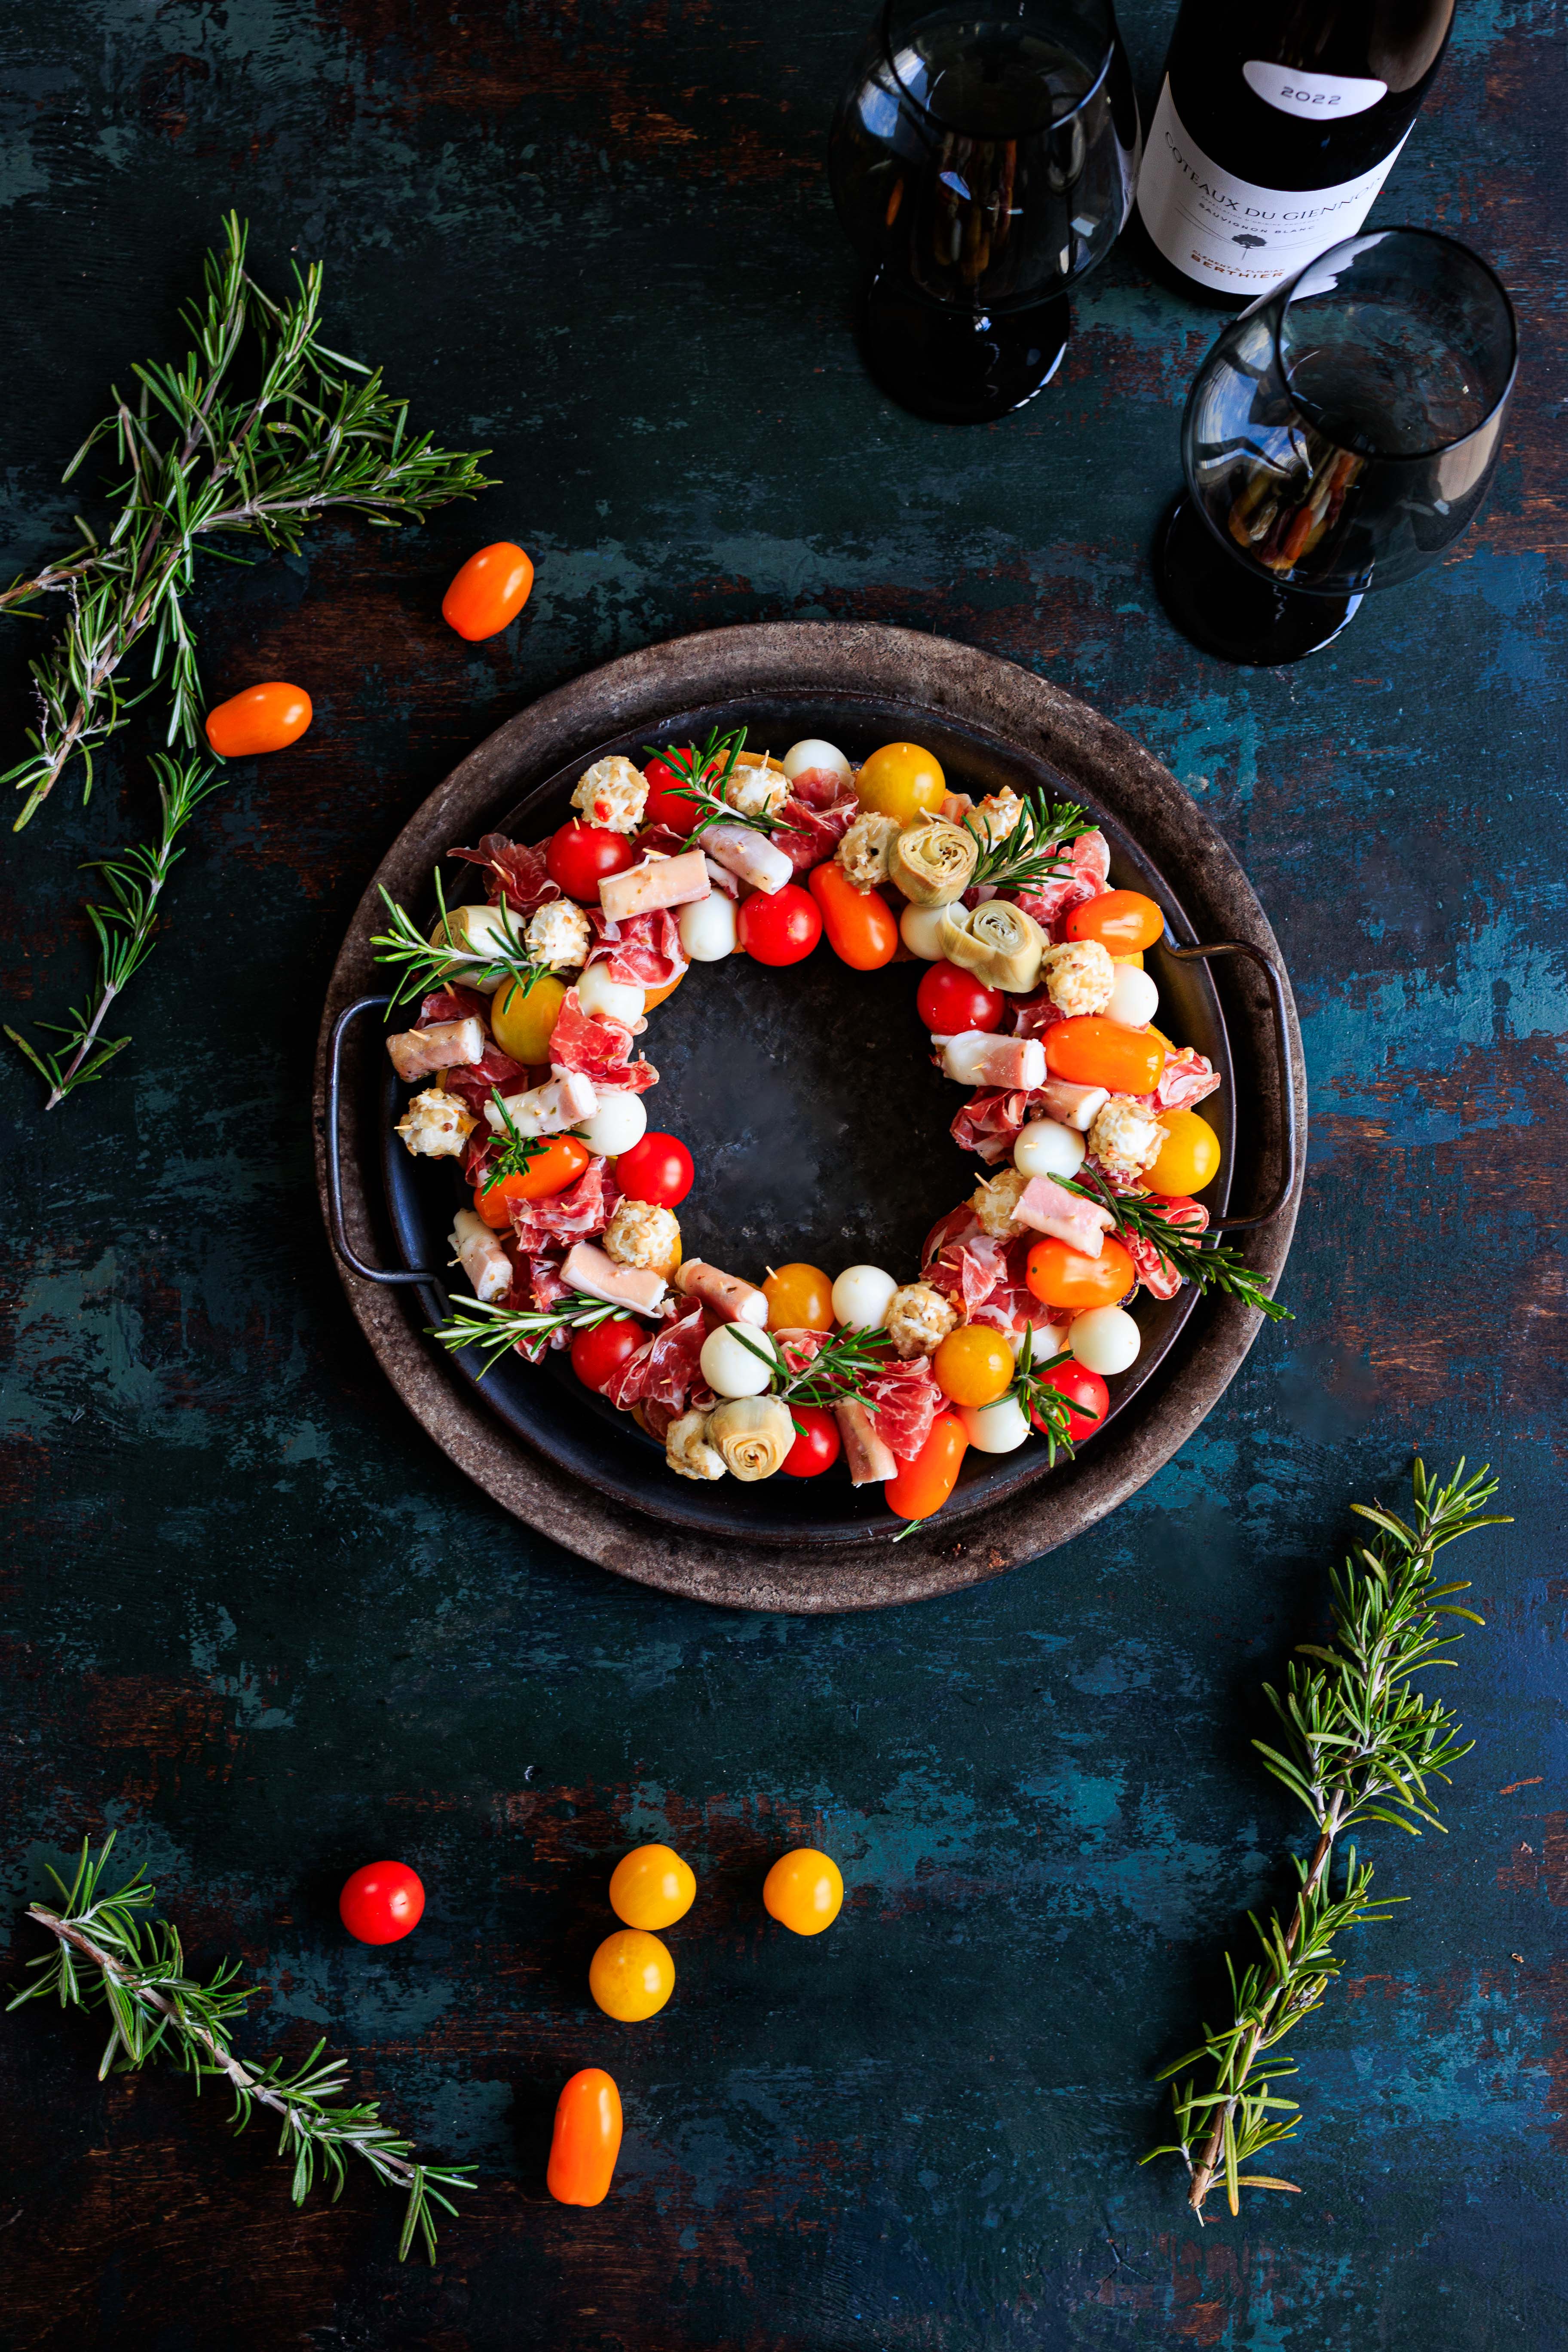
<point>984,158</point>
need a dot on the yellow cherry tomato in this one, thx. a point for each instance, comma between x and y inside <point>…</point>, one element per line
<point>1189,1156</point>
<point>631,1976</point>
<point>1136,959</point>
<point>522,1021</point>
<point>652,1888</point>
<point>973,1365</point>
<point>800,1298</point>
<point>902,781</point>
<point>804,1891</point>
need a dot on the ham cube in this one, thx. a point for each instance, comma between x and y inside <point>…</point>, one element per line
<point>744,852</point>
<point>1072,1106</point>
<point>444,1045</point>
<point>657,882</point>
<point>548,1110</point>
<point>725,1295</point>
<point>975,1059</point>
<point>1082,1224</point>
<point>591,1269</point>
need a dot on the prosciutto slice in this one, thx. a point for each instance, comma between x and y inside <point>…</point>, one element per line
<point>512,871</point>
<point>902,1401</point>
<point>665,1369</point>
<point>1187,1078</point>
<point>582,1210</point>
<point>867,1456</point>
<point>438,1045</point>
<point>989,1122</point>
<point>473,1086</point>
<point>1155,1272</point>
<point>808,830</point>
<point>976,1058</point>
<point>595,1047</point>
<point>1088,877</point>
<point>1045,1206</point>
<point>453,1002</point>
<point>642,951</point>
<point>1033,1015</point>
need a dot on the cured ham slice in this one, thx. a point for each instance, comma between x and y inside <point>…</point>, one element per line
<point>989,1123</point>
<point>591,1269</point>
<point>441,1046</point>
<point>867,1456</point>
<point>968,1272</point>
<point>809,831</point>
<point>475,1087</point>
<point>975,1058</point>
<point>902,1401</point>
<point>512,871</point>
<point>453,1002</point>
<point>822,787</point>
<point>1155,1272</point>
<point>657,882</point>
<point>665,1370</point>
<point>481,1256</point>
<point>1187,1078</point>
<point>548,1110</point>
<point>1088,877</point>
<point>728,1298</point>
<point>1047,1207</point>
<point>645,951</point>
<point>595,1047</point>
<point>750,856</point>
<point>579,1213</point>
<point>1033,1015</point>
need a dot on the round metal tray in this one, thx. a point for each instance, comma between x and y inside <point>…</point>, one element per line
<point>816,1120</point>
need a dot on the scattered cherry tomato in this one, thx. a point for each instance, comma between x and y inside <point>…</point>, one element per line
<point>581,856</point>
<point>1087,1399</point>
<point>560,1163</point>
<point>523,1018</point>
<point>804,1891</point>
<point>1124,922</point>
<point>657,1169</point>
<point>816,1448</point>
<point>1094,1052</point>
<point>973,1365</point>
<point>1059,1275</point>
<point>652,1888</point>
<point>382,1903</point>
<point>598,1353</point>
<point>586,2139</point>
<point>263,719</point>
<point>631,1976</point>
<point>862,929</point>
<point>902,780</point>
<point>781,927</point>
<point>800,1298</point>
<point>490,590</point>
<point>1189,1156</point>
<point>949,1000</point>
<point>923,1485</point>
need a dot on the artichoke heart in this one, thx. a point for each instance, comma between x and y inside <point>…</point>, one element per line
<point>752,1434</point>
<point>933,861</point>
<point>998,942</point>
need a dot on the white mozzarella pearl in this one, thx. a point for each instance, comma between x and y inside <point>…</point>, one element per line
<point>597,992</point>
<point>862,1296</point>
<point>999,1428</point>
<point>730,1366</point>
<point>1134,999</point>
<point>919,927</point>
<point>1105,1340</point>
<point>619,1123</point>
<point>706,928</point>
<point>1046,1148</point>
<point>813,752</point>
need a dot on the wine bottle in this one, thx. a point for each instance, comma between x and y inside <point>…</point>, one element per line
<point>1278,124</point>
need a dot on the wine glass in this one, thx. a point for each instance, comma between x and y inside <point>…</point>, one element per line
<point>983,157</point>
<point>1338,438</point>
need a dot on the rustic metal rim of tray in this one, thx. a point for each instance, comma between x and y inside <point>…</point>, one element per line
<point>980,694</point>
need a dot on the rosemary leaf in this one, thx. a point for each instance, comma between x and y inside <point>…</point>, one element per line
<point>1140,1217</point>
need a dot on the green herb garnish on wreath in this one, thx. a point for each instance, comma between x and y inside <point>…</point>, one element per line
<point>485,1323</point>
<point>422,965</point>
<point>1218,1268</point>
<point>703,771</point>
<point>1031,852</point>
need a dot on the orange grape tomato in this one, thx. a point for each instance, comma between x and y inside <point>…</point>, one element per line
<point>862,930</point>
<point>902,780</point>
<point>1124,922</point>
<point>1059,1275</point>
<point>263,719</point>
<point>586,2139</point>
<point>1189,1156</point>
<point>973,1365</point>
<point>1094,1052</point>
<point>923,1485</point>
<point>560,1163</point>
<point>652,1888</point>
<point>800,1298</point>
<point>804,1891</point>
<point>490,590</point>
<point>661,995</point>
<point>631,1976</point>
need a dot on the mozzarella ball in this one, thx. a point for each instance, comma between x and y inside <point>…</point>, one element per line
<point>619,1123</point>
<point>813,752</point>
<point>1046,1148</point>
<point>706,928</point>
<point>1105,1340</point>
<point>917,929</point>
<point>737,1367</point>
<point>597,992</point>
<point>999,1428</point>
<point>1134,999</point>
<point>861,1298</point>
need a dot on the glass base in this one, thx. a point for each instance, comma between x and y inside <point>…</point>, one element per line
<point>1227,610</point>
<point>953,366</point>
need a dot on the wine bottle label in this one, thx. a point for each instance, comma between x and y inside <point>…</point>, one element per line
<point>1229,233</point>
<point>1321,98</point>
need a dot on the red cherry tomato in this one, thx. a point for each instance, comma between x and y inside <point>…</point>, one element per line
<point>1123,921</point>
<point>598,1353</point>
<point>580,856</point>
<point>263,719</point>
<point>923,1485</point>
<point>816,1447</point>
<point>1089,1399</point>
<point>490,590</point>
<point>782,928</point>
<point>950,1001</point>
<point>657,1169</point>
<point>1094,1052</point>
<point>665,805</point>
<point>862,930</point>
<point>586,2139</point>
<point>382,1903</point>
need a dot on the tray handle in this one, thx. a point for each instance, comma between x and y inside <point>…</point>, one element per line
<point>1290,1143</point>
<point>341,1242</point>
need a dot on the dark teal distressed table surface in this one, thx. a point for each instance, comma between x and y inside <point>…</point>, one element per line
<point>255,1622</point>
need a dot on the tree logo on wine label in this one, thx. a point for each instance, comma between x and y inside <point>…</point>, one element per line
<point>1246,239</point>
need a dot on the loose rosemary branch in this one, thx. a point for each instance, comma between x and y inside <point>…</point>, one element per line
<point>1031,852</point>
<point>424,966</point>
<point>1357,1744</point>
<point>1219,1268</point>
<point>124,926</point>
<point>139,1975</point>
<point>494,1328</point>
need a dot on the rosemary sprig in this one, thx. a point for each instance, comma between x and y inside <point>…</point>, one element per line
<point>838,1372</point>
<point>1043,1406</point>
<point>703,775</point>
<point>494,1328</point>
<point>516,1151</point>
<point>1031,853</point>
<point>211,457</point>
<point>138,1972</point>
<point>1218,1268</point>
<point>423,967</point>
<point>123,925</point>
<point>1357,1744</point>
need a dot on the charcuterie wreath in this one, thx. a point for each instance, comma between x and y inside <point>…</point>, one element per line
<point>1036,996</point>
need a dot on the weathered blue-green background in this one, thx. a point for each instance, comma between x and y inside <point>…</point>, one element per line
<point>256,1624</point>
